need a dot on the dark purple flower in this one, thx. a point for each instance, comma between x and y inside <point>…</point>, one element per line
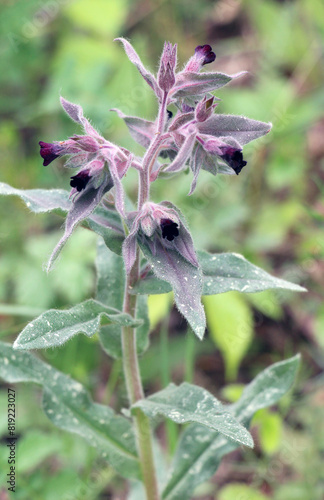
<point>169,229</point>
<point>234,158</point>
<point>49,152</point>
<point>205,53</point>
<point>146,227</point>
<point>80,180</point>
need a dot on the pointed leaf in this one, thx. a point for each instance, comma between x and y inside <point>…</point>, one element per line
<point>222,273</point>
<point>190,403</point>
<point>135,59</point>
<point>200,450</point>
<point>230,271</point>
<point>74,111</point>
<point>103,221</point>
<point>266,389</point>
<point>82,207</point>
<point>242,129</point>
<point>68,405</point>
<point>40,200</point>
<point>185,279</point>
<point>54,327</point>
<point>188,83</point>
<point>110,291</point>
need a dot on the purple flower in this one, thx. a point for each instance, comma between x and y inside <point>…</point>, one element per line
<point>234,158</point>
<point>100,166</point>
<point>49,152</point>
<point>203,55</point>
<point>169,229</point>
<point>158,225</point>
<point>80,180</point>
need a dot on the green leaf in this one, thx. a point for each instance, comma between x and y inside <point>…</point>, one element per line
<point>268,303</point>
<point>267,388</point>
<point>242,491</point>
<point>188,83</point>
<point>68,405</point>
<point>110,291</point>
<point>230,325</point>
<point>200,450</point>
<point>190,403</point>
<point>185,279</point>
<point>158,308</point>
<point>34,447</point>
<point>54,327</point>
<point>222,273</point>
<point>270,430</point>
<point>104,221</point>
<point>40,200</point>
<point>225,272</point>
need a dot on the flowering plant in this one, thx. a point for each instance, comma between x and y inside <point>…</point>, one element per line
<point>147,250</point>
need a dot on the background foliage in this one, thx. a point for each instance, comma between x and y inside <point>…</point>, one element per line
<point>272,214</point>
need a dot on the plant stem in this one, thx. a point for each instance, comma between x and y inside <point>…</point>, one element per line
<point>135,392</point>
<point>130,359</point>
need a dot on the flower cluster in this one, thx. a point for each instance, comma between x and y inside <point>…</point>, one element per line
<point>188,133</point>
<point>195,136</point>
<point>161,224</point>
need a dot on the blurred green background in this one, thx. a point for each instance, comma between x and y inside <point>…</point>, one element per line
<point>272,213</point>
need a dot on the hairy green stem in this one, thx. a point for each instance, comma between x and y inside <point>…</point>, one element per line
<point>130,359</point>
<point>135,392</point>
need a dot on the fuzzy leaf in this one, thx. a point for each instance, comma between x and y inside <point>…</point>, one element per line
<point>74,111</point>
<point>54,327</point>
<point>40,200</point>
<point>188,83</point>
<point>102,221</point>
<point>230,271</point>
<point>185,279</point>
<point>141,130</point>
<point>222,273</point>
<point>82,207</point>
<point>190,403</point>
<point>184,152</point>
<point>68,405</point>
<point>242,129</point>
<point>110,291</point>
<point>106,222</point>
<point>135,59</point>
<point>200,450</point>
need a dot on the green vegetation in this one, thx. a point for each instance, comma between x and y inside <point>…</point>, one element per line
<point>273,215</point>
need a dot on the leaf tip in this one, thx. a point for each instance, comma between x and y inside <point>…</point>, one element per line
<point>16,344</point>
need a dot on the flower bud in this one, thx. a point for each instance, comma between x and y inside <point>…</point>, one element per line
<point>205,109</point>
<point>166,73</point>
